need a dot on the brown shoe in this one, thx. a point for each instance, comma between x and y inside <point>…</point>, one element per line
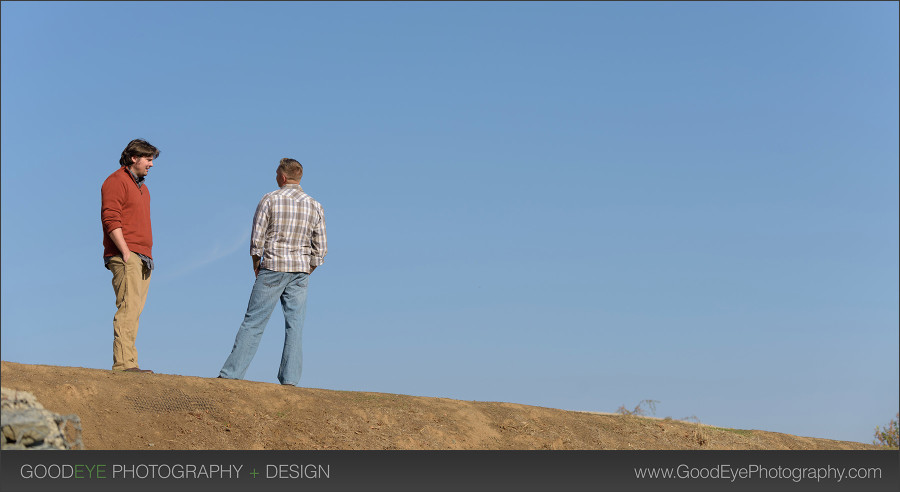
<point>137,369</point>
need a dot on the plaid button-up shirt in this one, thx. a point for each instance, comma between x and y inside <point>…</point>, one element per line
<point>289,231</point>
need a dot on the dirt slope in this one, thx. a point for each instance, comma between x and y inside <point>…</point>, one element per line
<point>159,411</point>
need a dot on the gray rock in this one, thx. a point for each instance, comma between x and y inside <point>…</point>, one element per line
<point>27,425</point>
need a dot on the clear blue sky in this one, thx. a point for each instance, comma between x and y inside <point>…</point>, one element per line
<point>570,205</point>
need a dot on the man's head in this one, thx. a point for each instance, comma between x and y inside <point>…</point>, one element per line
<point>289,171</point>
<point>139,156</point>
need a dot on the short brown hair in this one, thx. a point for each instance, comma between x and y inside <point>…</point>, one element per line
<point>137,148</point>
<point>290,168</point>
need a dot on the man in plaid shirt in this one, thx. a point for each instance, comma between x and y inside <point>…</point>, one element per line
<point>287,244</point>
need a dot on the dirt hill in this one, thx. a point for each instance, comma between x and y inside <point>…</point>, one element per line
<point>159,411</point>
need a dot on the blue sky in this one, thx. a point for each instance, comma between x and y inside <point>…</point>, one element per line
<point>570,205</point>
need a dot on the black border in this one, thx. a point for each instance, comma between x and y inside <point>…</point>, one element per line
<point>485,470</point>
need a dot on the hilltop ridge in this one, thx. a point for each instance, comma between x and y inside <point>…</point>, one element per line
<point>162,411</point>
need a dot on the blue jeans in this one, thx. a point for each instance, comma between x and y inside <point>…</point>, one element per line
<point>268,288</point>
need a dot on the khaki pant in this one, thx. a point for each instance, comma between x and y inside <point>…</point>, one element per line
<point>130,282</point>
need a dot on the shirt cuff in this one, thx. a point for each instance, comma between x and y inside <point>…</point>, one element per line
<point>112,225</point>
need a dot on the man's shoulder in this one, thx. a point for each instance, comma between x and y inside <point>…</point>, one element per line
<point>115,177</point>
<point>305,197</point>
<point>315,202</point>
<point>268,198</point>
<point>115,174</point>
<point>291,193</point>
<point>271,194</point>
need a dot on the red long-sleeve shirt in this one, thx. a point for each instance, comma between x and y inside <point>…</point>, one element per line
<point>125,204</point>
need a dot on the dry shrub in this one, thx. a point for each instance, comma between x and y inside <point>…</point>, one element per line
<point>639,410</point>
<point>888,436</point>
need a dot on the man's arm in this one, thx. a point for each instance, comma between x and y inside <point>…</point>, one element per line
<point>119,240</point>
<point>258,233</point>
<point>318,243</point>
<point>112,198</point>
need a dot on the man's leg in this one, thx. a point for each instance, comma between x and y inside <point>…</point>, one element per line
<point>293,303</point>
<point>130,283</point>
<point>266,289</point>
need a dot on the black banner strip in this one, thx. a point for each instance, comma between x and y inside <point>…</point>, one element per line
<point>418,471</point>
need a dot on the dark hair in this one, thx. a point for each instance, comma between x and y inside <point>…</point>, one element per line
<point>291,169</point>
<point>137,148</point>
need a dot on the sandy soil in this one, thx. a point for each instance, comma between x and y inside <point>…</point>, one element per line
<point>160,411</point>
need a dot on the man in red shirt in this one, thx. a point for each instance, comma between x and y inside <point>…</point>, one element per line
<point>127,246</point>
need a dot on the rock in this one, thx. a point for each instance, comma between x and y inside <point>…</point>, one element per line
<point>8,434</point>
<point>15,399</point>
<point>27,424</point>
